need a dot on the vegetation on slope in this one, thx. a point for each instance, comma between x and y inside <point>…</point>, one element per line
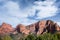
<point>46,36</point>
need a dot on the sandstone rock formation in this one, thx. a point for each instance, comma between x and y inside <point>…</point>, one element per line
<point>39,27</point>
<point>6,28</point>
<point>22,29</point>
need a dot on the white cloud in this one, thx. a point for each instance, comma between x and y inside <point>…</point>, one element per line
<point>11,13</point>
<point>26,21</point>
<point>14,15</point>
<point>46,8</point>
<point>14,10</point>
<point>10,20</point>
<point>14,21</point>
<point>58,23</point>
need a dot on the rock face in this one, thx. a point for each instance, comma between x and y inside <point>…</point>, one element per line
<point>22,29</point>
<point>39,27</point>
<point>5,28</point>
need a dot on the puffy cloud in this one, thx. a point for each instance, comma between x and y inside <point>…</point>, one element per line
<point>10,20</point>
<point>46,9</point>
<point>13,9</point>
<point>12,13</point>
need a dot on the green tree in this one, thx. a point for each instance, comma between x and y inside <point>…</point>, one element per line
<point>46,36</point>
<point>58,35</point>
<point>39,37</point>
<point>6,37</point>
<point>55,37</point>
<point>30,37</point>
<point>18,36</point>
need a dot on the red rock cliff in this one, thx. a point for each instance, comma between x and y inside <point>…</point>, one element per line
<point>6,28</point>
<point>39,27</point>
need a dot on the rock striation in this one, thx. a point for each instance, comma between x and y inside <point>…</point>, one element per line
<point>6,28</point>
<point>22,29</point>
<point>38,28</point>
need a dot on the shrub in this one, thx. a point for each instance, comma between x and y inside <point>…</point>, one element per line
<point>6,37</point>
<point>30,37</point>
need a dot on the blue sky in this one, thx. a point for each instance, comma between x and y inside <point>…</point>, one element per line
<point>29,11</point>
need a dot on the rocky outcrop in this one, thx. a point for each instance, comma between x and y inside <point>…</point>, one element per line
<point>57,27</point>
<point>40,27</point>
<point>22,29</point>
<point>6,28</point>
<point>47,26</point>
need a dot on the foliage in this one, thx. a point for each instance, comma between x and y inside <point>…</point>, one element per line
<point>46,36</point>
<point>30,37</point>
<point>6,37</point>
<point>17,36</point>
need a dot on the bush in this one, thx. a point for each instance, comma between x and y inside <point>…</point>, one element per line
<point>17,36</point>
<point>56,36</point>
<point>46,36</point>
<point>30,37</point>
<point>6,37</point>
